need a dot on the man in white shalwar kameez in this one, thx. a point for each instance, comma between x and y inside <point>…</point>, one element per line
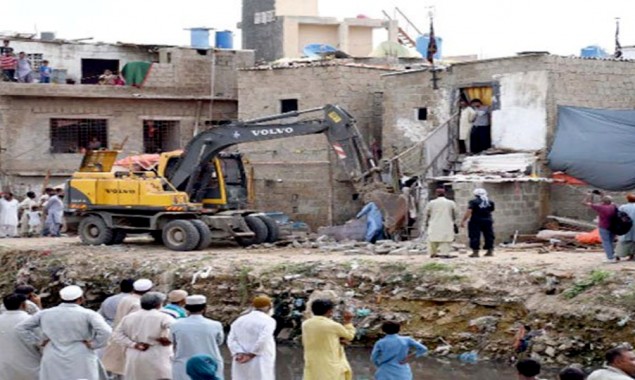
<point>440,219</point>
<point>71,334</point>
<point>25,207</point>
<point>9,216</point>
<point>54,214</point>
<point>145,334</point>
<point>114,356</point>
<point>196,335</point>
<point>252,344</point>
<point>19,360</point>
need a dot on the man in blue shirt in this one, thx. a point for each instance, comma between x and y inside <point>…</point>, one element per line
<point>391,354</point>
<point>176,301</point>
<point>196,335</point>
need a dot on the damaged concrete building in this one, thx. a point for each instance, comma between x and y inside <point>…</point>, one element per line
<point>44,127</point>
<point>300,175</point>
<point>524,93</point>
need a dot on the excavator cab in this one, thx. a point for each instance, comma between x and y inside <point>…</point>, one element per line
<point>223,183</point>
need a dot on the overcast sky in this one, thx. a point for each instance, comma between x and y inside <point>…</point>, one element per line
<point>489,28</point>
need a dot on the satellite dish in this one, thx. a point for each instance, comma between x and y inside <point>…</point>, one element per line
<point>318,50</point>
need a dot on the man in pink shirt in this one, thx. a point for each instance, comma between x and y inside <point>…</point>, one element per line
<point>606,210</point>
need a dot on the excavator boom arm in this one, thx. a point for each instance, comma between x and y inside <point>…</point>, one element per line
<point>339,127</point>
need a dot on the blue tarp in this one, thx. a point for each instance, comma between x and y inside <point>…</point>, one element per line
<point>596,146</point>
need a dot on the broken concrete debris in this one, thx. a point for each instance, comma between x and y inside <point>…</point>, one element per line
<point>328,244</point>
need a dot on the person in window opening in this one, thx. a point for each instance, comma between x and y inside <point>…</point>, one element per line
<point>107,78</point>
<point>94,143</point>
<point>479,213</point>
<point>468,114</point>
<point>45,72</point>
<point>24,72</point>
<point>481,134</point>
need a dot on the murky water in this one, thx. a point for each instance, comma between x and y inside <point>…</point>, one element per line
<point>289,366</point>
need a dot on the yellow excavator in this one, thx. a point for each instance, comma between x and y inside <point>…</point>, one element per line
<point>201,194</point>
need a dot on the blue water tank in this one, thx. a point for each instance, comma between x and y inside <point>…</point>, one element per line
<point>422,45</point>
<point>593,51</point>
<point>224,39</point>
<point>199,38</point>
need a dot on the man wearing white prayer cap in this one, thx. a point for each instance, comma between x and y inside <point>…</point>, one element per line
<point>114,357</point>
<point>72,334</point>
<point>196,335</point>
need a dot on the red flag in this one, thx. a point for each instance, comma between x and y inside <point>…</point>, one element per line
<point>432,44</point>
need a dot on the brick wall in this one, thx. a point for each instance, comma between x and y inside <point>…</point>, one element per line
<point>304,166</point>
<point>190,70</point>
<point>518,206</point>
<point>25,128</point>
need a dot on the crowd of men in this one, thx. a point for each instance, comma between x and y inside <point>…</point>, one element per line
<point>32,216</point>
<point>135,335</point>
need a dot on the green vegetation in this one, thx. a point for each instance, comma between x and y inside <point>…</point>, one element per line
<point>596,277</point>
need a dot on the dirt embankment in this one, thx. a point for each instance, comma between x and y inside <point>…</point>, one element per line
<point>578,306</point>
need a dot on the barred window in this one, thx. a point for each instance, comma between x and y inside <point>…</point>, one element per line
<point>36,61</point>
<point>160,136</point>
<point>77,135</point>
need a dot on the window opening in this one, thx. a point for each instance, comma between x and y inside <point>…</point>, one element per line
<point>78,135</point>
<point>160,136</point>
<point>288,105</point>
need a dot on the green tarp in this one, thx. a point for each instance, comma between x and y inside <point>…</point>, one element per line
<point>135,73</point>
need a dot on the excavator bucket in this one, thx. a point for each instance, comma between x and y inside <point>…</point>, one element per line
<point>394,208</point>
<point>98,161</point>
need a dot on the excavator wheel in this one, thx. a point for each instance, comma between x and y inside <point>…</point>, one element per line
<point>273,231</point>
<point>181,235</point>
<point>118,236</point>
<point>203,230</point>
<point>93,230</point>
<point>258,227</point>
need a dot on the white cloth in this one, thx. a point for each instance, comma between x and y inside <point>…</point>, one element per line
<point>67,327</point>
<point>609,373</point>
<point>145,326</point>
<point>481,194</point>
<point>19,360</point>
<point>9,217</point>
<point>34,219</point>
<point>465,122</point>
<point>196,335</point>
<point>252,333</point>
<point>440,217</point>
<point>114,357</point>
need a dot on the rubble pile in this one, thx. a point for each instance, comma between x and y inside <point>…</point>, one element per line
<point>326,243</point>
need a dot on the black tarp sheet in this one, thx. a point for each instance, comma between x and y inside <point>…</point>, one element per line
<point>596,146</point>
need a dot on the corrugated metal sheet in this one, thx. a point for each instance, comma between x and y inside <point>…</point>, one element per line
<point>499,163</point>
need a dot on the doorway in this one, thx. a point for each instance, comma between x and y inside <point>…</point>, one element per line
<point>475,125</point>
<point>93,68</point>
